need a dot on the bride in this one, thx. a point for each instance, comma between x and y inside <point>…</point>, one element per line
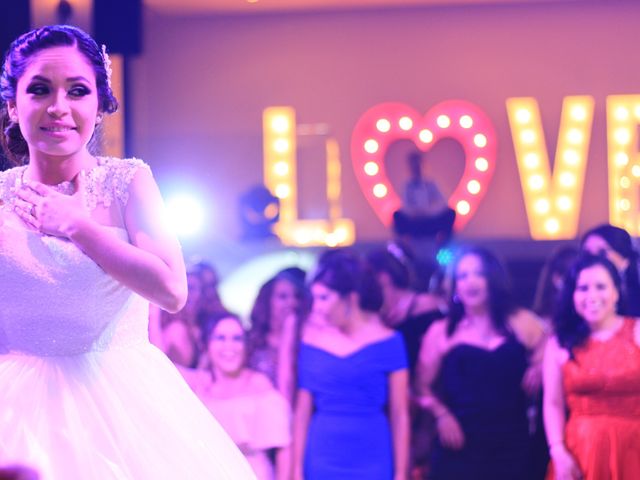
<point>83,249</point>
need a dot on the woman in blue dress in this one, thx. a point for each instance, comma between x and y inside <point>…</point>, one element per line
<point>351,419</point>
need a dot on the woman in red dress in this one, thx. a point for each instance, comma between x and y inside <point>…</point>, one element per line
<point>592,370</point>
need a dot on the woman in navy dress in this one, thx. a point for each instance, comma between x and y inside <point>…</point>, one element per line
<point>475,374</point>
<point>351,419</point>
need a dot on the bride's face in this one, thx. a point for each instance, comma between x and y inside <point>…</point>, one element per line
<point>227,347</point>
<point>56,102</point>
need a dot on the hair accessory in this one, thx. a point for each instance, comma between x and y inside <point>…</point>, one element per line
<point>107,64</point>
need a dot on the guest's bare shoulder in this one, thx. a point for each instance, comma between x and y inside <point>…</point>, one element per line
<point>435,339</point>
<point>258,382</point>
<point>528,327</point>
<point>555,353</point>
<point>438,329</point>
<point>199,380</point>
<point>426,302</point>
<point>379,331</point>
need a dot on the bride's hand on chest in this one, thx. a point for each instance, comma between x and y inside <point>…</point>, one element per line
<point>49,211</point>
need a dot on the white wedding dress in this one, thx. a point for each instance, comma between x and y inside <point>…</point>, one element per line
<point>83,394</point>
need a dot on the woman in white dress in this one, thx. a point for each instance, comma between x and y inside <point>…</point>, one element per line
<point>83,249</point>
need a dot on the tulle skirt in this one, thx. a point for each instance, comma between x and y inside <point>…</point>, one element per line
<point>123,414</point>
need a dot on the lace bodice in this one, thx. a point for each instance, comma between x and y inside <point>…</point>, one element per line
<point>604,378</point>
<point>107,181</point>
<point>54,300</point>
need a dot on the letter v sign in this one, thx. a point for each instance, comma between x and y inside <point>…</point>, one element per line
<point>552,201</point>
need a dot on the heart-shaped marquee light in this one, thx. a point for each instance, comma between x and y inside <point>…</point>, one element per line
<point>386,123</point>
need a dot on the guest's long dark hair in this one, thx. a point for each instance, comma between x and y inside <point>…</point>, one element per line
<point>392,261</point>
<point>261,311</point>
<point>500,299</point>
<point>547,293</point>
<point>570,328</point>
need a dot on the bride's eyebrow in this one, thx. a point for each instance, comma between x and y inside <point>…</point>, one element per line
<point>78,79</point>
<point>40,78</point>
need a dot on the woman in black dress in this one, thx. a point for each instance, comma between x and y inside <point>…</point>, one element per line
<point>475,373</point>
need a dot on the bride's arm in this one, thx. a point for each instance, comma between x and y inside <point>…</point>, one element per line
<point>151,265</point>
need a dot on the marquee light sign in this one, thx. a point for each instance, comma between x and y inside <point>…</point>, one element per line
<point>552,201</point>
<point>279,132</point>
<point>623,118</point>
<point>387,123</point>
<point>552,198</point>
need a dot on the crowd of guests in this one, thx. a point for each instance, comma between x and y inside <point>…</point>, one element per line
<point>351,372</point>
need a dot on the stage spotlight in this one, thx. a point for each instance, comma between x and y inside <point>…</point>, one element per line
<point>186,214</point>
<point>259,210</point>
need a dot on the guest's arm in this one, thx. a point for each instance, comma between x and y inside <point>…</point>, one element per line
<point>530,330</point>
<point>554,409</point>
<point>283,463</point>
<point>431,352</point>
<point>301,418</point>
<point>286,358</point>
<point>399,416</point>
